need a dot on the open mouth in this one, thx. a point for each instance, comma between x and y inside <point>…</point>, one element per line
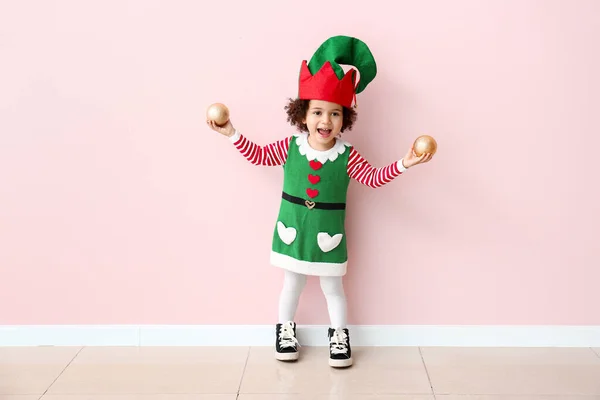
<point>324,133</point>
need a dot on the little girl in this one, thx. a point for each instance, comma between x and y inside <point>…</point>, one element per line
<point>309,237</point>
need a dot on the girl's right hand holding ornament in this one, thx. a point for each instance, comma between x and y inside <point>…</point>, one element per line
<point>420,152</point>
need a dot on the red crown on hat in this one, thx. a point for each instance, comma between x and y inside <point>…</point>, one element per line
<point>325,85</point>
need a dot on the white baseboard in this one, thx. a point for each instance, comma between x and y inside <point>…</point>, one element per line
<point>311,335</point>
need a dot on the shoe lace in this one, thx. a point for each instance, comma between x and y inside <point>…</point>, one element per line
<point>286,336</point>
<point>339,342</point>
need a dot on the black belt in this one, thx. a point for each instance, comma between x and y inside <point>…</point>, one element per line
<point>312,204</point>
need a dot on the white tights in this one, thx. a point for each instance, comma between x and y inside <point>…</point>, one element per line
<point>332,288</point>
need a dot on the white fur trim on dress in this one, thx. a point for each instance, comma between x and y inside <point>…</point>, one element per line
<point>322,156</point>
<point>307,267</point>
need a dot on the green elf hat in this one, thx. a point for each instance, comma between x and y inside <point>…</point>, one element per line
<point>323,78</point>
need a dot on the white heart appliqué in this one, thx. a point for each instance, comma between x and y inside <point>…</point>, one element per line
<point>287,235</point>
<point>328,243</point>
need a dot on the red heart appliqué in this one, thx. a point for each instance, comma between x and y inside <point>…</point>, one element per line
<point>312,193</point>
<point>315,165</point>
<point>314,179</point>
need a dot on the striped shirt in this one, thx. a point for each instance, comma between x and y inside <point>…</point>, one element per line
<point>276,153</point>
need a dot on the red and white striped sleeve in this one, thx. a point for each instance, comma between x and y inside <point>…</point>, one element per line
<point>365,173</point>
<point>271,154</point>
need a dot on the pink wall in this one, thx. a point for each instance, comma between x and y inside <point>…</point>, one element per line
<point>119,206</point>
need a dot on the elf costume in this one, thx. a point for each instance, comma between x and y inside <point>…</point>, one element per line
<point>310,236</point>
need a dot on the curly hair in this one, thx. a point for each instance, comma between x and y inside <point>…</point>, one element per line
<point>296,111</point>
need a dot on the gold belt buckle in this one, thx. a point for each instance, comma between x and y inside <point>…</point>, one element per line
<point>309,204</point>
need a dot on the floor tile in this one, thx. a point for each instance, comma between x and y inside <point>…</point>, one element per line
<point>153,370</point>
<point>513,397</point>
<point>31,370</point>
<point>335,397</point>
<point>42,355</point>
<point>597,351</point>
<point>511,371</point>
<point>232,396</point>
<point>19,396</point>
<point>376,370</point>
<point>509,355</point>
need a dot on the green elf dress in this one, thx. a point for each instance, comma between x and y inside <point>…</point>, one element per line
<point>310,235</point>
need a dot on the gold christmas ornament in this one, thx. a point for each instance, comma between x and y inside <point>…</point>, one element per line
<point>219,113</point>
<point>425,144</point>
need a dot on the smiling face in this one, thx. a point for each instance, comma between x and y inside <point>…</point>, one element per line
<point>324,121</point>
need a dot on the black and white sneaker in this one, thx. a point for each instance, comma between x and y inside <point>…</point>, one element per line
<point>340,353</point>
<point>286,344</point>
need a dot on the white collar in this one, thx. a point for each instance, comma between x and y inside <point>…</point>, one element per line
<point>322,156</point>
